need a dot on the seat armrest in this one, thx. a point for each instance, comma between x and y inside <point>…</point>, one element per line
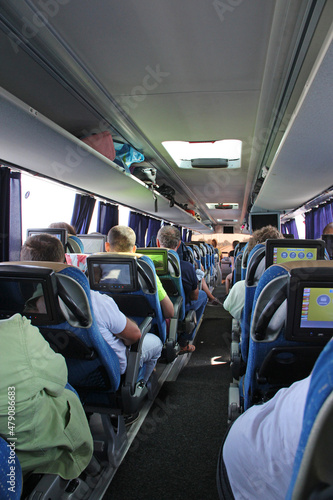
<point>134,355</point>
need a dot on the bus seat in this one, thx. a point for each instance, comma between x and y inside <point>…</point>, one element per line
<point>282,350</point>
<point>196,253</point>
<point>78,260</point>
<point>74,244</point>
<point>130,279</point>
<point>313,465</point>
<point>69,325</point>
<point>245,257</point>
<point>10,471</point>
<point>237,275</point>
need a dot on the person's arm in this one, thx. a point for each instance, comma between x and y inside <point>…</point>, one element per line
<point>130,334</point>
<point>166,304</point>
<point>194,294</point>
<point>167,307</point>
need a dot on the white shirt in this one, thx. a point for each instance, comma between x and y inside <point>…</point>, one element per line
<point>260,448</point>
<point>235,300</point>
<point>111,321</point>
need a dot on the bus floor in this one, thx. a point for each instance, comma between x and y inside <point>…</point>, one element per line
<point>174,454</point>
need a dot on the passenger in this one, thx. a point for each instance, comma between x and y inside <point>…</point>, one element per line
<point>122,239</point>
<point>328,229</point>
<point>63,225</point>
<point>117,330</point>
<point>231,256</point>
<point>169,237</point>
<point>216,249</point>
<point>235,301</point>
<point>260,448</point>
<point>52,434</point>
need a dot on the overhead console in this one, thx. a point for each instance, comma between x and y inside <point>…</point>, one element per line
<point>30,141</point>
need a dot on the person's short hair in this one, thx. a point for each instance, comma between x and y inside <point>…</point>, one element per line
<point>328,229</point>
<point>235,243</point>
<point>43,247</point>
<point>263,234</point>
<point>214,242</point>
<point>169,237</point>
<point>121,238</point>
<point>63,225</point>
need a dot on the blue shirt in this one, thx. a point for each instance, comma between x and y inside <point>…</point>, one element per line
<point>189,279</point>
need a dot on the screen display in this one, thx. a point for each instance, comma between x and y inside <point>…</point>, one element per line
<point>112,276</point>
<point>59,233</point>
<point>290,253</point>
<point>92,243</point>
<point>25,297</point>
<point>261,220</point>
<point>317,308</point>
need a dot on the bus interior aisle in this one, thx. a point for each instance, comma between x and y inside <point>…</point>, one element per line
<point>174,455</point>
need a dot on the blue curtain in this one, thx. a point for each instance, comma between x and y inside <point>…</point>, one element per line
<point>317,219</point>
<point>10,215</point>
<point>184,234</point>
<point>189,236</point>
<point>153,228</point>
<point>290,227</point>
<point>139,224</point>
<point>107,217</point>
<point>82,213</point>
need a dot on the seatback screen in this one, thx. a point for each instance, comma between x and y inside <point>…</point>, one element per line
<point>92,243</point>
<point>115,276</point>
<point>26,297</point>
<point>281,251</point>
<point>290,253</point>
<point>317,308</point>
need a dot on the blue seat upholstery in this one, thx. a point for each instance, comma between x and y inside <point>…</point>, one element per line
<point>275,360</point>
<point>10,471</point>
<point>237,275</point>
<point>253,271</point>
<point>313,465</point>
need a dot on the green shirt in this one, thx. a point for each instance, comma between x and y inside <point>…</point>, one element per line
<point>51,428</point>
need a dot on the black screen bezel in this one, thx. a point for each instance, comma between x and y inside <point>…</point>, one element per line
<point>281,243</point>
<point>109,287</point>
<point>52,231</point>
<point>294,332</point>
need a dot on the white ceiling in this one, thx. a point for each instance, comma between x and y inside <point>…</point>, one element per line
<point>168,70</point>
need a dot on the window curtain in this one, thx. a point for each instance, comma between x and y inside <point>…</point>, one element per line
<point>189,236</point>
<point>139,224</point>
<point>290,227</point>
<point>184,234</point>
<point>153,228</point>
<point>317,219</point>
<point>82,213</point>
<point>107,217</point>
<point>10,215</point>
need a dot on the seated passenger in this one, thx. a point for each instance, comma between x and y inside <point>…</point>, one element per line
<point>51,430</point>
<point>63,225</point>
<point>235,300</point>
<point>122,239</point>
<point>260,448</point>
<point>328,229</point>
<point>231,256</point>
<point>169,237</point>
<point>117,330</point>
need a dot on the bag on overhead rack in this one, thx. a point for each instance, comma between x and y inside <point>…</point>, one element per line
<point>103,143</point>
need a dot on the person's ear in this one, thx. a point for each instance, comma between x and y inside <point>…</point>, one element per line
<point>134,249</point>
<point>158,243</point>
<point>179,242</point>
<point>107,246</point>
